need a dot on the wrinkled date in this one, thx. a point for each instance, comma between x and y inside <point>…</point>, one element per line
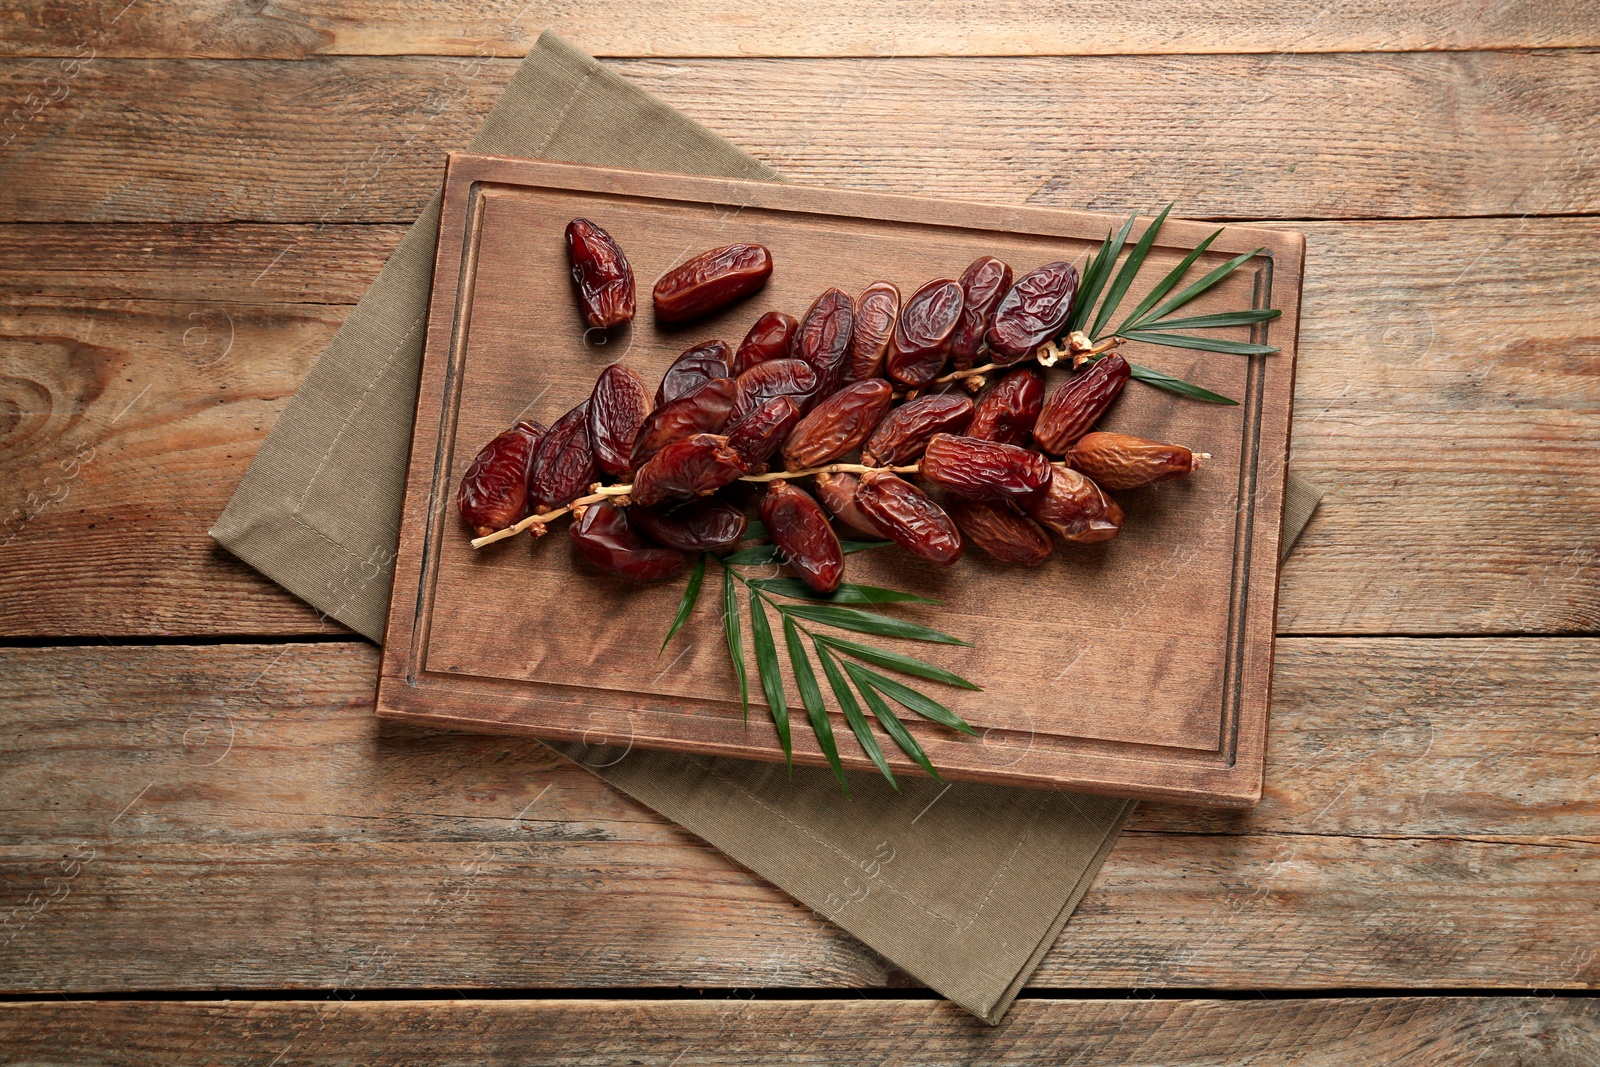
<point>983,285</point>
<point>617,408</point>
<point>769,338</point>
<point>1000,531</point>
<point>801,530</point>
<point>877,310</point>
<point>705,524</point>
<point>564,466</point>
<point>906,430</point>
<point>983,470</point>
<point>838,494</point>
<point>1008,409</point>
<point>838,424</point>
<point>696,465</point>
<point>908,518</point>
<point>823,339</point>
<point>921,338</point>
<point>1118,461</point>
<point>762,432</point>
<point>776,377</point>
<point>1033,311</point>
<point>604,536</point>
<point>1074,508</point>
<point>1074,406</point>
<point>705,410</point>
<point>711,280</point>
<point>494,492</point>
<point>601,274</point>
<point>701,364</point>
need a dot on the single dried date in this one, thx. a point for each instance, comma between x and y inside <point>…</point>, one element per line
<point>1074,508</point>
<point>921,340</point>
<point>1033,312</point>
<point>823,339</point>
<point>494,492</point>
<point>705,410</point>
<point>776,377</point>
<point>998,529</point>
<point>711,280</point>
<point>762,432</point>
<point>692,467</point>
<point>837,492</point>
<point>1074,406</point>
<point>800,528</point>
<point>601,274</point>
<point>769,338</point>
<point>618,406</point>
<point>1008,409</point>
<point>838,425</point>
<point>906,430</point>
<point>877,309</point>
<point>1119,461</point>
<point>704,524</point>
<point>565,465</point>
<point>983,470</point>
<point>983,285</point>
<point>908,518</point>
<point>701,364</point>
<point>603,535</point>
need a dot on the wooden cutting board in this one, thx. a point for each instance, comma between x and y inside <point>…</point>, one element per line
<point>1141,666</point>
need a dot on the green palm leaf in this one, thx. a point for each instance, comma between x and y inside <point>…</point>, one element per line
<point>1197,289</point>
<point>691,595</point>
<point>771,679</point>
<point>896,661</point>
<point>852,712</point>
<point>1201,344</point>
<point>887,719</point>
<point>1162,380</point>
<point>1166,284</point>
<point>868,622</point>
<point>805,679</point>
<point>1130,267</point>
<point>917,702</point>
<point>795,589</point>
<point>730,626</point>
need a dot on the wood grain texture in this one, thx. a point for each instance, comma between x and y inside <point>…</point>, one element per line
<point>1448,406</point>
<point>238,819</point>
<point>214,28</point>
<point>1353,1032</point>
<point>1286,136</point>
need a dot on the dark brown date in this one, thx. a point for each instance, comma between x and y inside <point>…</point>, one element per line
<point>983,470</point>
<point>694,466</point>
<point>1074,508</point>
<point>838,494</point>
<point>801,530</point>
<point>1118,461</point>
<point>601,274</point>
<point>776,377</point>
<point>604,536</point>
<point>1008,409</point>
<point>906,430</point>
<point>769,338</point>
<point>712,280</point>
<point>908,518</point>
<point>762,432</point>
<point>1073,407</point>
<point>617,408</point>
<point>705,410</point>
<point>877,310</point>
<point>1001,531</point>
<point>564,466</point>
<point>704,524</point>
<point>701,364</point>
<point>1033,312</point>
<point>494,491</point>
<point>921,340</point>
<point>838,424</point>
<point>983,285</point>
<point>823,339</point>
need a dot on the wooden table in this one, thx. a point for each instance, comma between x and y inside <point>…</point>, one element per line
<point>211,851</point>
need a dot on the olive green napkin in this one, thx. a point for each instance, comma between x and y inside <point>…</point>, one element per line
<point>964,886</point>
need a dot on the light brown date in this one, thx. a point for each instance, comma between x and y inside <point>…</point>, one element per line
<point>906,430</point>
<point>1074,406</point>
<point>800,528</point>
<point>877,310</point>
<point>603,535</point>
<point>983,470</point>
<point>1074,508</point>
<point>601,274</point>
<point>494,492</point>
<point>692,467</point>
<point>838,425</point>
<point>710,281</point>
<point>838,494</point>
<point>908,518</point>
<point>618,406</point>
<point>1001,531</point>
<point>1118,461</point>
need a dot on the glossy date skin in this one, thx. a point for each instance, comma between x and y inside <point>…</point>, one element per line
<point>983,285</point>
<point>706,410</point>
<point>1001,531</point>
<point>983,470</point>
<point>710,281</point>
<point>769,338</point>
<point>1120,461</point>
<point>1074,406</point>
<point>600,273</point>
<point>604,536</point>
<point>801,530</point>
<point>1033,312</point>
<point>762,432</point>
<point>564,465</point>
<point>1008,409</point>
<point>877,309</point>
<point>703,363</point>
<point>908,518</point>
<point>494,492</point>
<point>838,425</point>
<point>823,339</point>
<point>618,406</point>
<point>705,524</point>
<point>777,377</point>
<point>1074,508</point>
<point>921,340</point>
<point>837,492</point>
<point>906,430</point>
<point>692,467</point>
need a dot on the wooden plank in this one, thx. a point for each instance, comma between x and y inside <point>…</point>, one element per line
<point>213,28</point>
<point>1289,136</point>
<point>1086,1033</point>
<point>234,817</point>
<point>1404,359</point>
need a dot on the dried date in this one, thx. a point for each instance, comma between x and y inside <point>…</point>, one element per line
<point>494,492</point>
<point>705,524</point>
<point>1033,312</point>
<point>762,432</point>
<point>769,338</point>
<point>701,364</point>
<point>906,430</point>
<point>877,310</point>
<point>800,528</point>
<point>1008,409</point>
<point>1074,508</point>
<point>706,410</point>
<point>618,406</point>
<point>839,424</point>
<point>565,465</point>
<point>1074,406</point>
<point>1119,461</point>
<point>692,467</point>
<point>710,281</point>
<point>823,339</point>
<point>908,518</point>
<point>838,494</point>
<point>601,274</point>
<point>998,529</point>
<point>776,377</point>
<point>983,285</point>
<point>983,470</point>
<point>603,535</point>
<point>921,339</point>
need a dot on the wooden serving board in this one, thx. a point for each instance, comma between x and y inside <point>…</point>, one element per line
<point>1141,666</point>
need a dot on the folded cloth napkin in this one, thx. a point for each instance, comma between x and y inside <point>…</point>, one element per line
<point>965,886</point>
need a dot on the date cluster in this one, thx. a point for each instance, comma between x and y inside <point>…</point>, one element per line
<point>653,479</point>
